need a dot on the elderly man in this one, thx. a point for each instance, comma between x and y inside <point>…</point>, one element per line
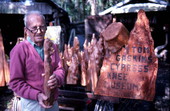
<point>27,66</point>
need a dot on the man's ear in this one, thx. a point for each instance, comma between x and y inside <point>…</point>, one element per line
<point>25,29</point>
<point>25,32</point>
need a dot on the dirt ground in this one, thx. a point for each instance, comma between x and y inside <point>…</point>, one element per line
<point>160,103</point>
<point>5,97</point>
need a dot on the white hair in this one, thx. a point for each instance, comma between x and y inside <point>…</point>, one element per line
<point>30,13</point>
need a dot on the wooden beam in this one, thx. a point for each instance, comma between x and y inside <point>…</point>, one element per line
<point>84,95</point>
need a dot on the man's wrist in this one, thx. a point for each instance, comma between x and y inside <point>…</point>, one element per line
<point>38,94</point>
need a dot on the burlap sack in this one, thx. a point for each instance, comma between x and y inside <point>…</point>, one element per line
<point>132,71</point>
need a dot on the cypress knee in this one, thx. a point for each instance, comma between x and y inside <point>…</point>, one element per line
<point>48,50</point>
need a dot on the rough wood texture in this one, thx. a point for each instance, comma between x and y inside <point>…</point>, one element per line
<point>73,71</point>
<point>92,58</point>
<point>131,72</point>
<point>48,71</point>
<point>115,36</point>
<point>83,69</point>
<point>4,68</point>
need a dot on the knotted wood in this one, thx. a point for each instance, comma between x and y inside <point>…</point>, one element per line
<point>48,50</point>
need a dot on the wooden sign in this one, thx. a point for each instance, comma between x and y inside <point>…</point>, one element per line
<point>131,72</point>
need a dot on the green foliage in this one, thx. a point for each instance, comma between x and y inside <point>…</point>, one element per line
<point>78,10</point>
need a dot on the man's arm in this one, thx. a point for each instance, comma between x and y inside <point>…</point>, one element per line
<point>17,78</point>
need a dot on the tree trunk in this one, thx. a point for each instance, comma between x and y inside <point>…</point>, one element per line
<point>93,7</point>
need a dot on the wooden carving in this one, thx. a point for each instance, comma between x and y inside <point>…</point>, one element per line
<point>48,50</point>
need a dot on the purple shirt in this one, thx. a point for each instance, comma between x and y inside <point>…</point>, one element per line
<point>26,69</point>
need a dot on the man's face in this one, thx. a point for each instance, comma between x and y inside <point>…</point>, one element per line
<point>36,28</point>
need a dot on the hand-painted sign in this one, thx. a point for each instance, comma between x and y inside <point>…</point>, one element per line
<point>131,72</point>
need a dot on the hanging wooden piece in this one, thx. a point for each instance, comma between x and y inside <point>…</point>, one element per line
<point>131,71</point>
<point>4,67</point>
<point>83,70</point>
<point>73,71</point>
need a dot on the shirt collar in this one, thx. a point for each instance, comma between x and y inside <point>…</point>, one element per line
<point>32,43</point>
<point>29,40</point>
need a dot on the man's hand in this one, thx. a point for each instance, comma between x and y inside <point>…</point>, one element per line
<point>41,98</point>
<point>52,82</point>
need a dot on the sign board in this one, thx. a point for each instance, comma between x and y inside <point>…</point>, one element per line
<point>131,72</point>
